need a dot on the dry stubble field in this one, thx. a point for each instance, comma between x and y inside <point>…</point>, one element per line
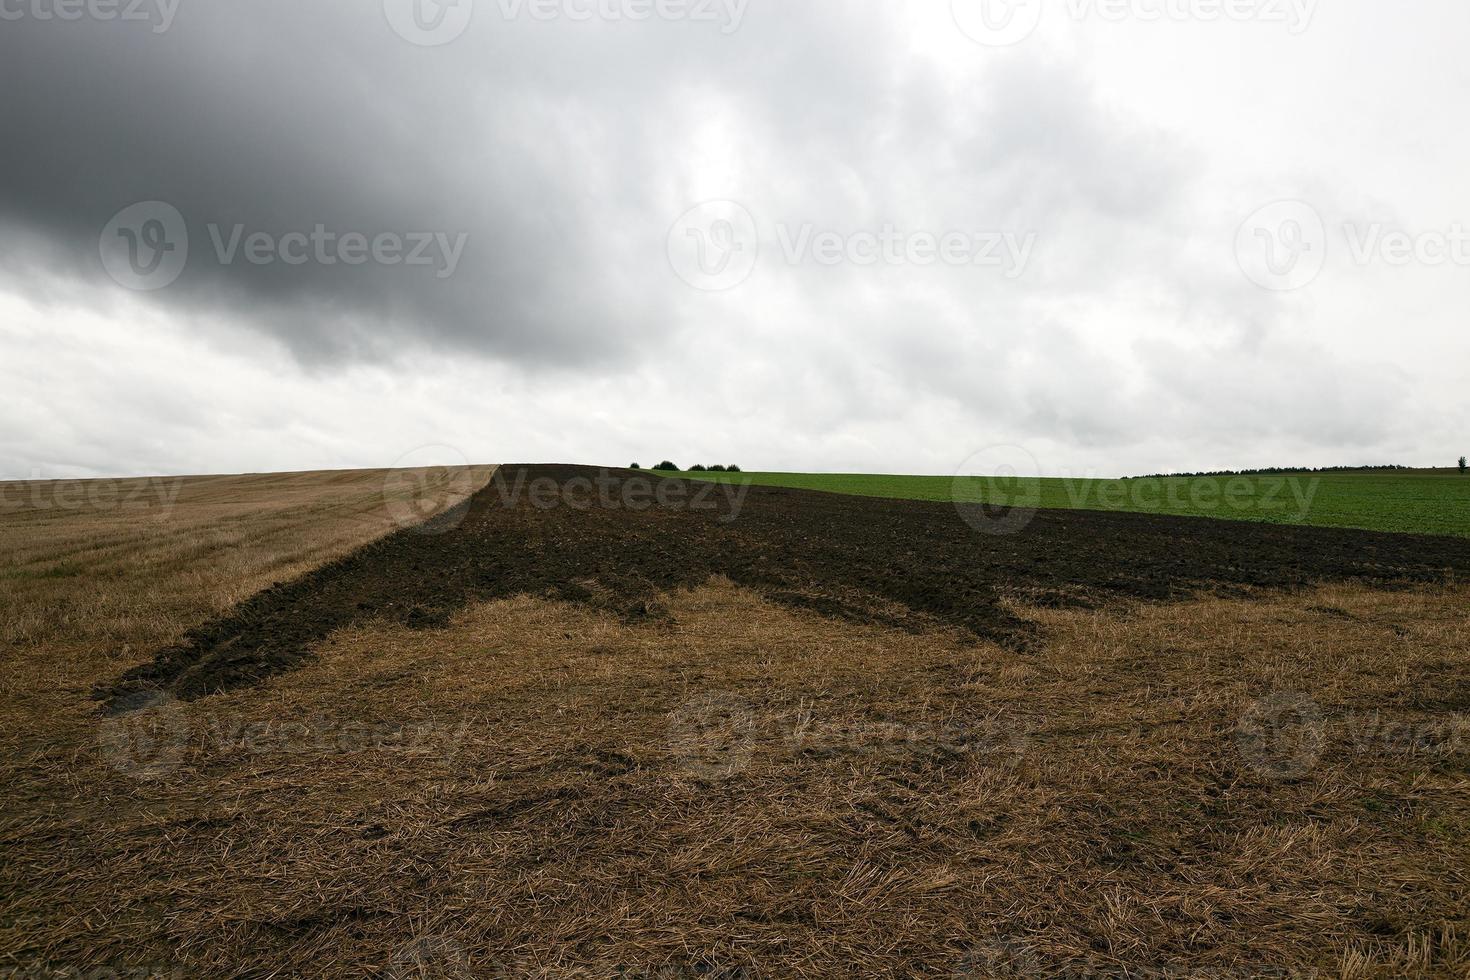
<point>1252,782</point>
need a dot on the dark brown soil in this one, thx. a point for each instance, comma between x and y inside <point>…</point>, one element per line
<point>600,537</point>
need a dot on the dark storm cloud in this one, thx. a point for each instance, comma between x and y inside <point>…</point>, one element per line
<point>556,153</point>
<point>278,117</point>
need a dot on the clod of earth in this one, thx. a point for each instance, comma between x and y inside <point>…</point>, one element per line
<point>908,564</point>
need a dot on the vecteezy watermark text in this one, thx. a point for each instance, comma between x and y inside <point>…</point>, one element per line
<point>146,247</point>
<point>716,245</point>
<point>728,14</point>
<point>154,739</point>
<point>1003,250</point>
<point>717,735</point>
<point>45,970</point>
<point>998,490</point>
<point>430,23</point>
<point>1015,959</point>
<point>159,14</point>
<point>610,491</point>
<point>151,493</point>
<point>1284,496</point>
<point>437,957</point>
<point>1296,15</point>
<point>425,249</point>
<point>997,23</point>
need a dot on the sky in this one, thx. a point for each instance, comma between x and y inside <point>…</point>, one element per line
<point>1080,237</point>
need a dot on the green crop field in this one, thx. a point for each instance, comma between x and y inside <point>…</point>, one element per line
<point>1419,501</point>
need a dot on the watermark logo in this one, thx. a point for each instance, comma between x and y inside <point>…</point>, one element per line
<point>1284,736</point>
<point>714,246</point>
<point>158,14</point>
<point>997,490</point>
<point>712,737</point>
<point>1283,246</point>
<point>427,490</point>
<point>997,23</point>
<point>145,741</point>
<point>429,23</point>
<point>1281,736</point>
<point>145,246</point>
<point>432,958</point>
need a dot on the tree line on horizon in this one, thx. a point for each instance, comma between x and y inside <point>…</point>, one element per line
<point>668,467</point>
<point>1271,471</point>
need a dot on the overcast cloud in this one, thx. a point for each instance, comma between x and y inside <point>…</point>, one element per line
<point>934,243</point>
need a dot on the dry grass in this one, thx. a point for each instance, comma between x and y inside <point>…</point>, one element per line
<point>541,790</point>
<point>134,563</point>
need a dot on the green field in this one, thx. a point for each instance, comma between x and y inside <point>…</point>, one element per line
<point>1420,501</point>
